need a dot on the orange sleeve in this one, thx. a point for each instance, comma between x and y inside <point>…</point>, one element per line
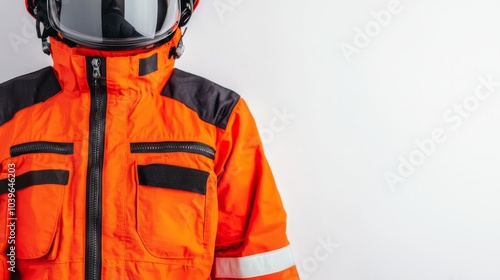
<point>251,237</point>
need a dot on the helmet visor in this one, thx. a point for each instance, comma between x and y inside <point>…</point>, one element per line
<point>114,23</point>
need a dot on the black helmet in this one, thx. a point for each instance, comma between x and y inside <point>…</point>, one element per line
<point>111,24</point>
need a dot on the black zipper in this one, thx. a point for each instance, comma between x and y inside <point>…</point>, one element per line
<point>97,123</point>
<point>173,146</point>
<point>41,147</point>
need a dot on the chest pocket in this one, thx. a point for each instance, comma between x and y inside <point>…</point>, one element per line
<point>32,187</point>
<point>171,199</point>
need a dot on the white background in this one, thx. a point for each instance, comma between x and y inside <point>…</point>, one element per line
<point>353,119</point>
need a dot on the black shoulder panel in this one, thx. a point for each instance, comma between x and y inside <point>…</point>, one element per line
<point>212,103</point>
<point>25,91</point>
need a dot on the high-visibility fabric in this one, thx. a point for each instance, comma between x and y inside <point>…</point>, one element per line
<point>126,168</point>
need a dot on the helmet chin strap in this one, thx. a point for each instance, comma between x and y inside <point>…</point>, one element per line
<point>42,21</point>
<point>178,50</point>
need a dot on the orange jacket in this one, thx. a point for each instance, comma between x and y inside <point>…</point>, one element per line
<point>115,165</point>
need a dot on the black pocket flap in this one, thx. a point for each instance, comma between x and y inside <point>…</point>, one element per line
<point>173,177</point>
<point>39,177</point>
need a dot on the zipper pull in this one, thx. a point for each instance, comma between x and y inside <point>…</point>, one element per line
<point>96,64</point>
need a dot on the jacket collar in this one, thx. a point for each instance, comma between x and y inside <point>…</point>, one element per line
<point>128,72</point>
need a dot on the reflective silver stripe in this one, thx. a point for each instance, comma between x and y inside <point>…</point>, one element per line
<point>255,265</point>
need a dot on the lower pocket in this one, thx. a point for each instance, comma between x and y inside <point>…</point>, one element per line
<point>171,210</point>
<point>33,210</point>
